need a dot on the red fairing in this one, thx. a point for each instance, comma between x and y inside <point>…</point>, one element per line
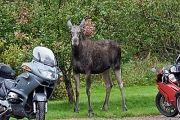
<point>168,91</point>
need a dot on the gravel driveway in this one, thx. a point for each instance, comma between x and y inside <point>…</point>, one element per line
<point>159,117</point>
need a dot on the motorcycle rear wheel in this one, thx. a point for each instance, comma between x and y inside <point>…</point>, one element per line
<point>164,107</point>
<point>40,115</point>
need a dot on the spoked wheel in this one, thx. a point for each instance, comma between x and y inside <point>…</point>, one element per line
<point>164,107</point>
<point>40,115</point>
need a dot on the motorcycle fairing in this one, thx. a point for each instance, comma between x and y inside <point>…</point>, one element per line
<point>168,91</point>
<point>25,84</point>
<point>40,97</point>
<point>35,67</point>
<point>6,84</point>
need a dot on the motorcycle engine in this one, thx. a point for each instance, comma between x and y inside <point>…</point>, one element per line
<point>2,109</point>
<point>13,98</point>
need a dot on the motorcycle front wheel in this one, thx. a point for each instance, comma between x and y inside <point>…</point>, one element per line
<point>178,103</point>
<point>40,114</point>
<point>165,107</point>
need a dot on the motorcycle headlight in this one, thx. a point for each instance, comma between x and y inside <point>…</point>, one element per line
<point>48,74</point>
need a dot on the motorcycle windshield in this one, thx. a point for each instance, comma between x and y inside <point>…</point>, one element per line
<point>44,55</point>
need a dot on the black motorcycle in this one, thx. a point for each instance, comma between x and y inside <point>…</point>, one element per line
<point>27,96</point>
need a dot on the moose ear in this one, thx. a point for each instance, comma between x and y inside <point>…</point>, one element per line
<point>69,24</point>
<point>82,23</point>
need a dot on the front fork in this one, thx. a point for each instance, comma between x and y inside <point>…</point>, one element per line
<point>37,97</point>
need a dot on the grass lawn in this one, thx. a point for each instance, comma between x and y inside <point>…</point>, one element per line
<point>140,101</point>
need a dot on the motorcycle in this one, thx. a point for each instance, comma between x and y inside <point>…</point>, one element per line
<point>28,95</point>
<point>168,82</point>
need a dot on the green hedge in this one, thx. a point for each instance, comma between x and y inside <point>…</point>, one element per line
<point>143,28</point>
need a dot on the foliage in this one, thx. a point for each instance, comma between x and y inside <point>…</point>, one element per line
<point>138,72</point>
<point>13,55</point>
<point>143,29</point>
<point>60,91</point>
<point>2,43</point>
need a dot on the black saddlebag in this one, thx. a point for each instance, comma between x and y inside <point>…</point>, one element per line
<point>6,71</point>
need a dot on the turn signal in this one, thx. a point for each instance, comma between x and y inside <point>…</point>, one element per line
<point>26,68</point>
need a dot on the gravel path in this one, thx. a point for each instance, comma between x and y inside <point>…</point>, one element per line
<point>159,117</point>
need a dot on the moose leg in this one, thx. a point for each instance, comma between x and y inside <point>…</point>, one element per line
<point>77,83</point>
<point>88,92</point>
<point>120,83</point>
<point>108,83</point>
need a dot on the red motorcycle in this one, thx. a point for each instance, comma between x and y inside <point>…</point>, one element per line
<point>168,97</point>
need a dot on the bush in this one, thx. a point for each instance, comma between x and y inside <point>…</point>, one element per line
<point>13,55</point>
<point>138,72</point>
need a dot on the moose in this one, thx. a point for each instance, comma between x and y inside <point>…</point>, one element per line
<point>94,57</point>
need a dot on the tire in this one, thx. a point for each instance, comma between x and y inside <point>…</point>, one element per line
<point>164,107</point>
<point>178,103</point>
<point>40,114</point>
<point>4,117</point>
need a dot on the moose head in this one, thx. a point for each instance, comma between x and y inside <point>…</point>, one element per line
<point>76,31</point>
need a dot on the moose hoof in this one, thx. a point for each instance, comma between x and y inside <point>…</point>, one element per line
<point>76,110</point>
<point>124,109</point>
<point>104,107</point>
<point>90,113</point>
